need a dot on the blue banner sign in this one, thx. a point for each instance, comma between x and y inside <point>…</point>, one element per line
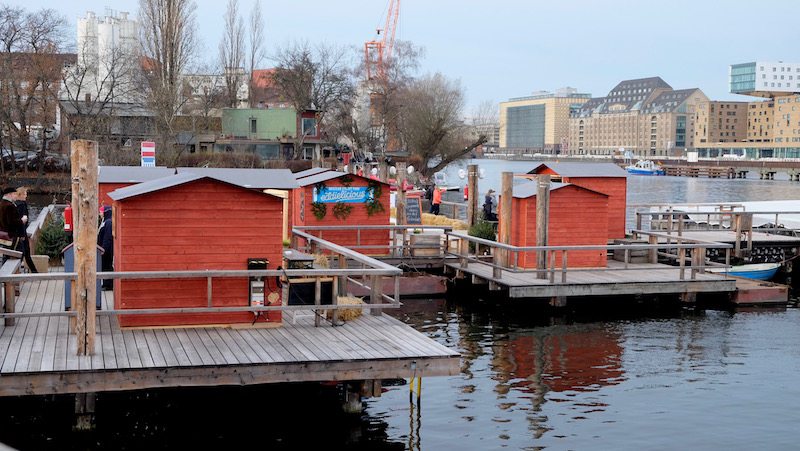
<point>345,194</point>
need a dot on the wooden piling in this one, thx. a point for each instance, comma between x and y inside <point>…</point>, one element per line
<point>85,243</point>
<point>400,199</point>
<point>472,195</point>
<point>542,220</point>
<point>506,194</point>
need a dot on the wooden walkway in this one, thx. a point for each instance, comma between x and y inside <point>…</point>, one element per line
<point>37,355</point>
<point>648,278</point>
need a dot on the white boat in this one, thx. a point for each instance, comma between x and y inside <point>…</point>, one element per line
<point>645,167</point>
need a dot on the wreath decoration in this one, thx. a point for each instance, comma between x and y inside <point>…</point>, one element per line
<point>346,180</point>
<point>319,209</point>
<point>341,210</point>
<point>374,205</point>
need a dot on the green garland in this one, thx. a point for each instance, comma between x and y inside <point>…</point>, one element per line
<point>374,191</point>
<point>319,209</point>
<point>346,179</point>
<point>341,210</point>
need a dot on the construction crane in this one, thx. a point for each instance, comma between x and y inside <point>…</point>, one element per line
<point>378,52</point>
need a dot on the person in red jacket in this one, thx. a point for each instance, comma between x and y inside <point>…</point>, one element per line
<point>437,200</point>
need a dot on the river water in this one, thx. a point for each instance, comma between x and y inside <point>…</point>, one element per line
<point>638,377</point>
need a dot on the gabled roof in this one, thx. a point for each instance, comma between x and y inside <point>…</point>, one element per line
<point>132,174</point>
<point>329,175</point>
<point>309,172</point>
<point>248,178</point>
<point>526,190</point>
<point>164,183</point>
<point>571,169</point>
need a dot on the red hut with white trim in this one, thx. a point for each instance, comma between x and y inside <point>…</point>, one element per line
<point>334,198</point>
<point>578,216</point>
<point>607,178</point>
<point>193,222</point>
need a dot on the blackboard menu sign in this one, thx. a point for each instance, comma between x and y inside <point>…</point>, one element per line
<point>414,211</point>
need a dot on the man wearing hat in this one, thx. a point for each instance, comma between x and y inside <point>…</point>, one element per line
<point>10,221</point>
<point>488,215</point>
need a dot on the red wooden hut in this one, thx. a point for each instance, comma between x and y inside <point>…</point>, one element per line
<point>578,216</point>
<point>605,178</point>
<point>336,198</point>
<point>110,178</point>
<point>192,222</point>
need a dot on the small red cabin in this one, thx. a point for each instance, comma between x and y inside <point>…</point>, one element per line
<point>334,198</point>
<point>605,178</point>
<point>192,222</point>
<point>110,178</point>
<point>578,216</point>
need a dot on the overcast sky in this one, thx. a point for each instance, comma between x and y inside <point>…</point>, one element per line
<point>510,48</point>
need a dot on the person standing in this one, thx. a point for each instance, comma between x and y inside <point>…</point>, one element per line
<point>105,239</point>
<point>24,244</point>
<point>436,201</point>
<point>10,220</point>
<point>488,201</point>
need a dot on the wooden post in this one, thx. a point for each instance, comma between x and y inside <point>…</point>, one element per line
<point>506,194</point>
<point>400,196</point>
<point>8,290</point>
<point>75,165</point>
<point>542,221</point>
<point>317,299</point>
<point>472,195</point>
<point>86,244</point>
<point>375,294</point>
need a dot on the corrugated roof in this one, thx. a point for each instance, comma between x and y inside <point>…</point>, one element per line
<point>329,175</point>
<point>132,174</point>
<point>526,190</point>
<point>310,172</point>
<point>249,178</point>
<point>153,185</point>
<point>571,169</point>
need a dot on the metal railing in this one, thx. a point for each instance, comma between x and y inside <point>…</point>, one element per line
<point>398,242</point>
<point>505,257</point>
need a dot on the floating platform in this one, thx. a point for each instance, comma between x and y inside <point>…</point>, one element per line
<point>638,279</point>
<point>759,292</point>
<point>37,355</point>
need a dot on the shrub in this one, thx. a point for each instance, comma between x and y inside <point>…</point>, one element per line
<point>53,239</point>
<point>482,229</point>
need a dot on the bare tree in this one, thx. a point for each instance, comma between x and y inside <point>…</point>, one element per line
<point>313,79</point>
<point>432,123</point>
<point>30,65</point>
<point>256,46</point>
<point>232,52</point>
<point>169,42</point>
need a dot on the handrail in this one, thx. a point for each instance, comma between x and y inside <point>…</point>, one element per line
<point>375,227</point>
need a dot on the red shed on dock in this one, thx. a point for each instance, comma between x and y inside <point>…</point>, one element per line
<point>192,222</point>
<point>110,178</point>
<point>334,198</point>
<point>606,178</point>
<point>578,216</point>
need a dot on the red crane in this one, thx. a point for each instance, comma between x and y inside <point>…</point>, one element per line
<point>378,52</point>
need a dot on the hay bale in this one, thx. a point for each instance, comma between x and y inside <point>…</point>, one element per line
<point>347,314</point>
<point>321,261</point>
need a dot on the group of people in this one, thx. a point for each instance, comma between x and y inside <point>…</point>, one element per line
<point>14,223</point>
<point>434,194</point>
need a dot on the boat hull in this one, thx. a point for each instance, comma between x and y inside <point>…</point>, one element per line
<point>644,172</point>
<point>764,271</point>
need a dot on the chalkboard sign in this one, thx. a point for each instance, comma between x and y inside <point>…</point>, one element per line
<point>414,211</point>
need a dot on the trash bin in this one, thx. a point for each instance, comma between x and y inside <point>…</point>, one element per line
<point>69,266</point>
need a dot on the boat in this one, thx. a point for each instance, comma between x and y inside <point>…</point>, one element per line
<point>645,167</point>
<point>757,271</point>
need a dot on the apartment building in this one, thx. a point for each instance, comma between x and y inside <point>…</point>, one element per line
<point>717,121</point>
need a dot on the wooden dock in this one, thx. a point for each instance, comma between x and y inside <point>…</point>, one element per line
<point>37,354</point>
<point>638,279</point>
<point>706,171</point>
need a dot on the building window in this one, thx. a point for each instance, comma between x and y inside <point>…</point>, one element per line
<point>309,126</point>
<point>253,125</point>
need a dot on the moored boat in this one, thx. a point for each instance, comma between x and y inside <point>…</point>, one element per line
<point>757,271</point>
<point>645,167</point>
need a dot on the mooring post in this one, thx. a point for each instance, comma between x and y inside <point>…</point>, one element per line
<point>542,221</point>
<point>400,196</point>
<point>472,194</point>
<point>86,244</point>
<point>84,411</point>
<point>506,195</point>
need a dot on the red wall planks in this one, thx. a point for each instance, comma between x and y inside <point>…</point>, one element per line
<point>205,224</point>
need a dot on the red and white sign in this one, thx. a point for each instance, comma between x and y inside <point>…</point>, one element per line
<point>148,153</point>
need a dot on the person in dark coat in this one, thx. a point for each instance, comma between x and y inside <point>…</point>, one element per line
<point>24,244</point>
<point>488,202</point>
<point>10,220</point>
<point>105,239</point>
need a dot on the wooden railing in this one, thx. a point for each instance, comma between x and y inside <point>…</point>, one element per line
<point>369,275</point>
<point>398,245</point>
<point>505,257</point>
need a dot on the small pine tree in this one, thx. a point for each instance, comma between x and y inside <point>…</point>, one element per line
<point>53,239</point>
